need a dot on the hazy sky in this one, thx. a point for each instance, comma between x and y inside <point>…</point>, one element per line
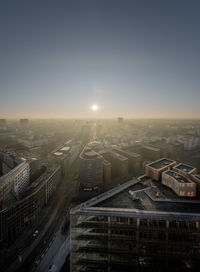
<point>132,58</point>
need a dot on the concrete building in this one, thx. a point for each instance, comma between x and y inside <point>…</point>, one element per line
<point>124,230</point>
<point>60,155</point>
<point>150,152</point>
<point>172,150</point>
<point>155,169</point>
<point>119,163</point>
<point>3,123</point>
<point>15,215</point>
<point>134,160</point>
<point>14,175</point>
<point>181,185</point>
<point>90,171</point>
<point>24,121</point>
<point>120,120</point>
<point>107,169</point>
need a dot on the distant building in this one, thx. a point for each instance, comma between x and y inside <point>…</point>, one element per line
<point>24,121</point>
<point>120,120</point>
<point>134,160</point>
<point>90,171</point>
<point>172,150</point>
<point>119,163</point>
<point>190,142</point>
<point>3,123</point>
<point>150,152</point>
<point>60,155</point>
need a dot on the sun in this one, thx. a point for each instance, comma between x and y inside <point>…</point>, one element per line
<point>95,107</point>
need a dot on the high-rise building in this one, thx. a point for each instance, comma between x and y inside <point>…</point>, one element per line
<point>14,175</point>
<point>119,163</point>
<point>24,121</point>
<point>3,123</point>
<point>90,171</point>
<point>129,229</point>
<point>120,120</point>
<point>107,168</point>
<point>16,214</point>
<point>134,160</point>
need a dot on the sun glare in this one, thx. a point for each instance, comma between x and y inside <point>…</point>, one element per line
<point>94,107</point>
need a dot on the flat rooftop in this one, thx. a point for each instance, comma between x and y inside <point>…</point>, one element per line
<point>126,152</point>
<point>160,163</point>
<point>184,167</point>
<point>146,203</point>
<point>112,154</point>
<point>65,148</point>
<point>58,153</point>
<point>153,148</point>
<point>149,197</point>
<point>178,177</point>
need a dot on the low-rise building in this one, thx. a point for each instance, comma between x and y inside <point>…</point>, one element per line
<point>184,169</point>
<point>180,184</point>
<point>155,169</point>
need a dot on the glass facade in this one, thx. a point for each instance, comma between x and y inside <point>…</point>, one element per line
<point>104,239</point>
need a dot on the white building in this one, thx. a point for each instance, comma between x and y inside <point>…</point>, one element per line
<point>14,175</point>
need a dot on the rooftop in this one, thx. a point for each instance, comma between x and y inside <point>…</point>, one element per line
<point>112,154</point>
<point>153,148</point>
<point>136,197</point>
<point>161,163</point>
<point>133,154</point>
<point>9,162</point>
<point>178,177</point>
<point>89,154</point>
<point>58,153</point>
<point>184,167</point>
<point>65,148</point>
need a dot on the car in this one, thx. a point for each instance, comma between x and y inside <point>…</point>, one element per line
<point>35,234</point>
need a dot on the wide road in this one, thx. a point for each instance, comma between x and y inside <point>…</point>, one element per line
<point>62,199</point>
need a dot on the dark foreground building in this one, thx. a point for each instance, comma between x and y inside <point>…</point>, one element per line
<point>130,229</point>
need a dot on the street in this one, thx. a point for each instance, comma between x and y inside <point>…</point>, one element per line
<point>50,226</point>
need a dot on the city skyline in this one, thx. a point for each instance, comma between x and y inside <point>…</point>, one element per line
<point>136,59</point>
